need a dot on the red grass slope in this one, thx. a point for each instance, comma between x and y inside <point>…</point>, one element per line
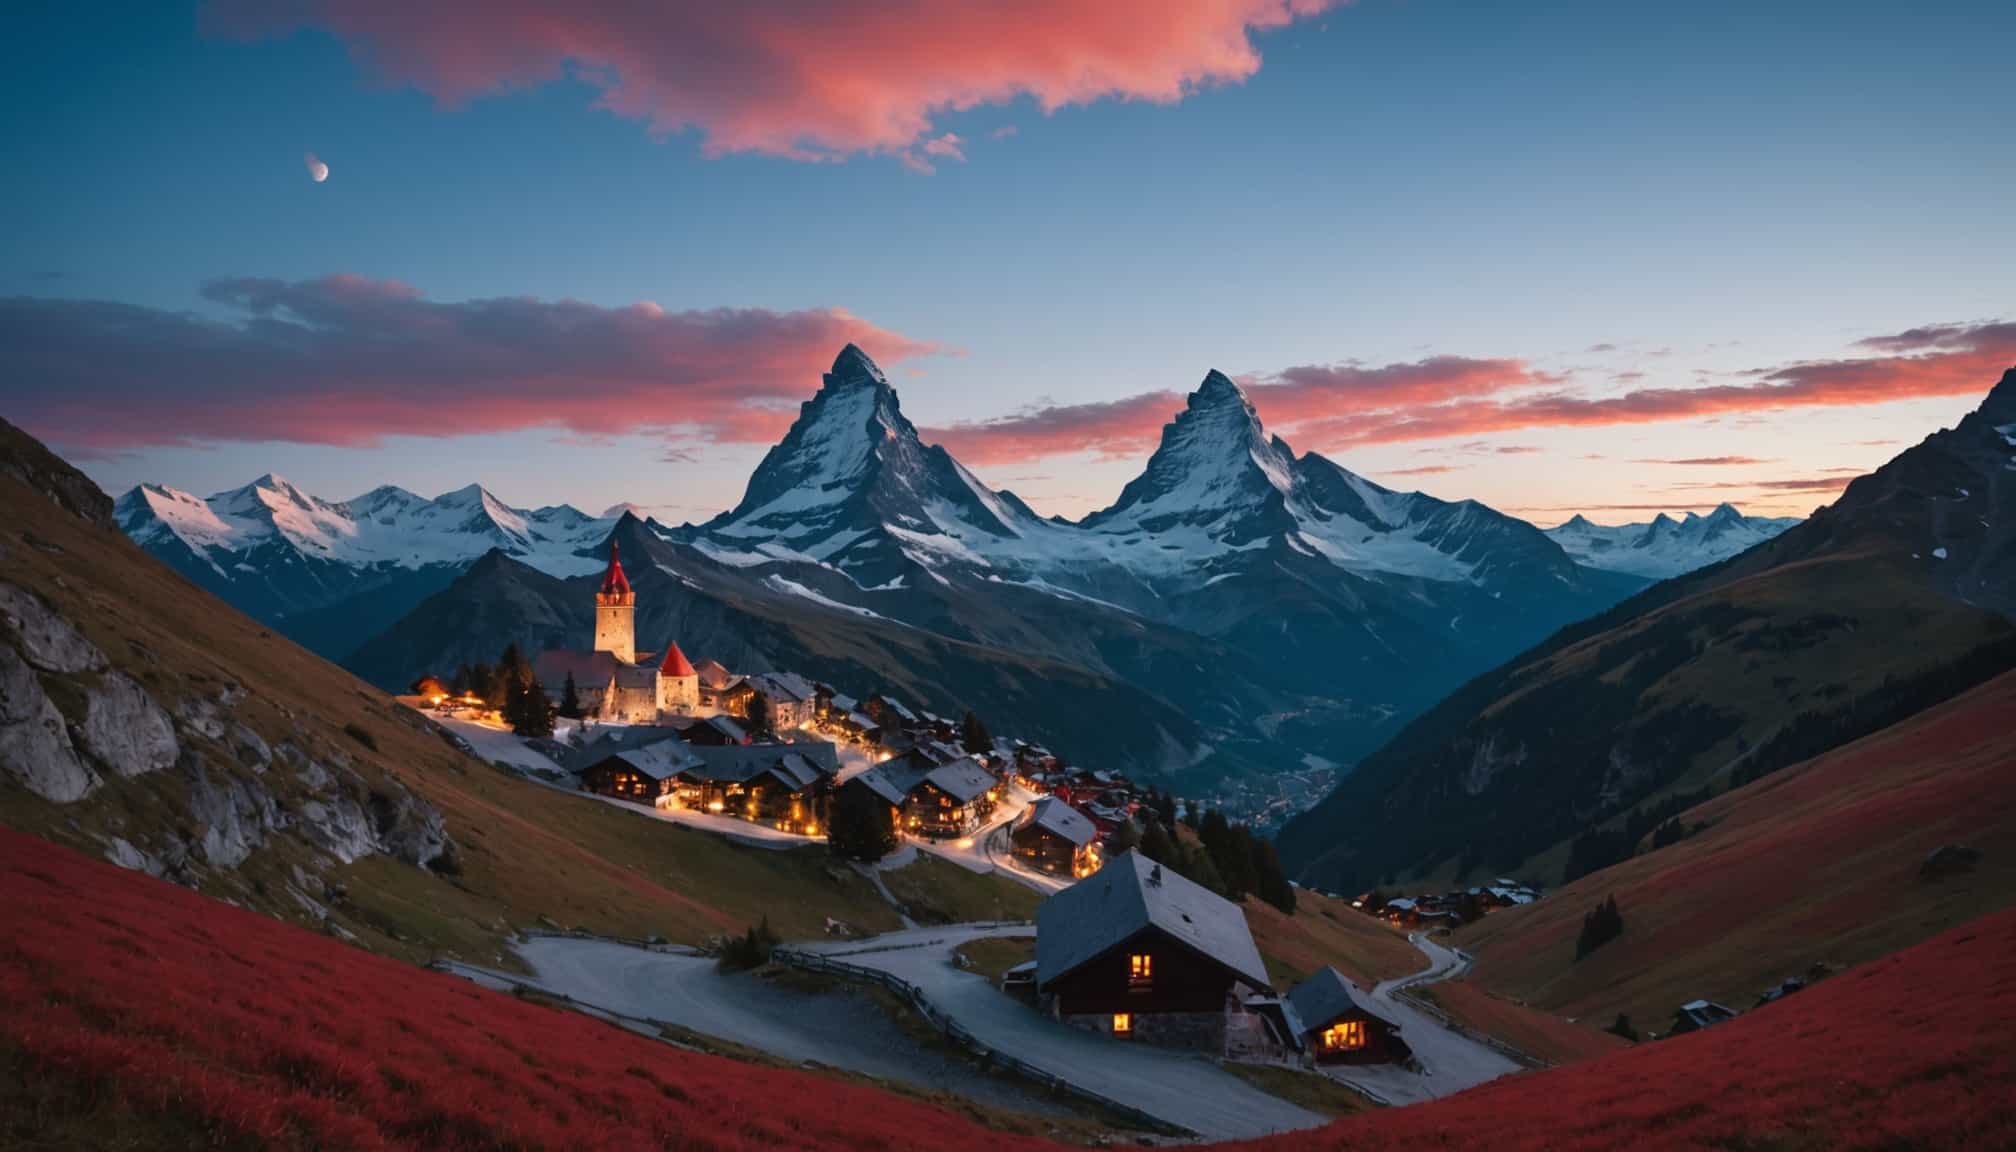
<point>253,1032</point>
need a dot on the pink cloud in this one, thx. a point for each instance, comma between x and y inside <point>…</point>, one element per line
<point>345,360</point>
<point>809,79</point>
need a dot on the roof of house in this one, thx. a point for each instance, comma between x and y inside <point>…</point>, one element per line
<point>1130,894</point>
<point>609,741</point>
<point>713,674</point>
<point>889,782</point>
<point>962,780</point>
<point>796,765</point>
<point>860,721</point>
<point>842,703</point>
<point>727,727</point>
<point>788,685</point>
<point>894,705</point>
<point>1055,816</point>
<point>659,761</point>
<point>591,670</point>
<point>935,753</point>
<point>675,662</point>
<point>1326,995</point>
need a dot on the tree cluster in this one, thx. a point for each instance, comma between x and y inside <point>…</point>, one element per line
<point>1226,858</point>
<point>858,826</point>
<point>974,735</point>
<point>510,687</point>
<point>749,950</point>
<point>1603,924</point>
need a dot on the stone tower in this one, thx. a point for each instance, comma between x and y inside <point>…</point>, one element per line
<point>616,612</point>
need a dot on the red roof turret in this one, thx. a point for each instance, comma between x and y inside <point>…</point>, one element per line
<point>675,662</point>
<point>614,583</point>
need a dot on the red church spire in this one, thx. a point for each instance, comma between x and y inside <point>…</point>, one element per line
<point>614,583</point>
<point>675,662</point>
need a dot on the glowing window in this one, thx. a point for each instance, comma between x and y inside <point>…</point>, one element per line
<point>1122,1024</point>
<point>1140,968</point>
<point>1344,1036</point>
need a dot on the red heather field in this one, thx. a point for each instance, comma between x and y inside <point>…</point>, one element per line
<point>144,1016</point>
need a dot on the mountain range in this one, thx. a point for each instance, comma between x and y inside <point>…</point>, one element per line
<point>1240,607</point>
<point>1664,547</point>
<point>1894,598</point>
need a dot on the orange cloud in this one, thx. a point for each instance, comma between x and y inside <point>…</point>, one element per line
<point>347,361</point>
<point>808,79</point>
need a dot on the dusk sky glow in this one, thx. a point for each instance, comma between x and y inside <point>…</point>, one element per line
<point>1559,257</point>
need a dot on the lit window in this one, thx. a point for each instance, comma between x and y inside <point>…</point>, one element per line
<point>1123,1024</point>
<point>1344,1036</point>
<point>1140,968</point>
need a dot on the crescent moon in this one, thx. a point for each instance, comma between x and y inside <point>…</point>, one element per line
<point>317,170</point>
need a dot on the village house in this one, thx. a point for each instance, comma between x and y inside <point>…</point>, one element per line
<point>784,785</point>
<point>1698,1014</point>
<point>889,713</point>
<point>613,681</point>
<point>715,731</point>
<point>927,798</point>
<point>789,696</point>
<point>647,775</point>
<point>1140,953</point>
<point>1054,837</point>
<point>1337,1023</point>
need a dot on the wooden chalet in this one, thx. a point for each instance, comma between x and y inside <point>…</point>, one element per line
<point>650,774</point>
<point>1054,837</point>
<point>1140,953</point>
<point>715,732</point>
<point>790,697</point>
<point>1337,1023</point>
<point>785,785</point>
<point>890,713</point>
<point>928,798</point>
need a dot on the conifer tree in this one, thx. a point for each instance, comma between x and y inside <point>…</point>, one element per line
<point>570,699</point>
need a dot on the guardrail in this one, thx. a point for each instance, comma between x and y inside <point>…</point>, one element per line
<point>829,965</point>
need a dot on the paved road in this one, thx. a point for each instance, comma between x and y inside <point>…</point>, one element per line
<point>1450,1060</point>
<point>1189,1091</point>
<point>839,1030</point>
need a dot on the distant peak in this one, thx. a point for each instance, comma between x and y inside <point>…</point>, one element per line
<point>853,366</point>
<point>1725,511</point>
<point>1217,388</point>
<point>2001,402</point>
<point>1578,521</point>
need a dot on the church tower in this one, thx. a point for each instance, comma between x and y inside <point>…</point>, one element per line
<point>616,612</point>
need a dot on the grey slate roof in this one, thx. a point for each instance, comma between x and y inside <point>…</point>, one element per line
<point>660,761</point>
<point>891,783</point>
<point>1132,893</point>
<point>609,741</point>
<point>1325,996</point>
<point>1054,815</point>
<point>787,685</point>
<point>963,780</point>
<point>796,765</point>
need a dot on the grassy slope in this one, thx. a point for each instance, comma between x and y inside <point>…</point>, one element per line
<point>1817,863</point>
<point>1326,931</point>
<point>129,1004</point>
<point>1538,1034</point>
<point>530,856</point>
<point>938,891</point>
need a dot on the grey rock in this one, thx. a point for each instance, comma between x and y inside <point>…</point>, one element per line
<point>47,640</point>
<point>125,729</point>
<point>35,746</point>
<point>201,717</point>
<point>340,826</point>
<point>121,851</point>
<point>235,815</point>
<point>409,829</point>
<point>251,748</point>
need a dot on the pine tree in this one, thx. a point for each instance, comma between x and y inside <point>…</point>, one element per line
<point>570,699</point>
<point>974,734</point>
<point>458,684</point>
<point>1272,883</point>
<point>1125,838</point>
<point>859,827</point>
<point>530,713</point>
<point>758,715</point>
<point>1603,924</point>
<point>1157,845</point>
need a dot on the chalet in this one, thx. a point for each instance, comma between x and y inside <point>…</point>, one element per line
<point>1698,1014</point>
<point>650,774</point>
<point>789,696</point>
<point>856,726</point>
<point>1338,1023</point>
<point>1138,952</point>
<point>714,679</point>
<point>782,784</point>
<point>1054,837</point>
<point>715,732</point>
<point>889,712</point>
<point>949,799</point>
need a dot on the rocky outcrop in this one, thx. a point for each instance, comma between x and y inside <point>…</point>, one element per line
<point>35,746</point>
<point>46,639</point>
<point>235,816</point>
<point>125,729</point>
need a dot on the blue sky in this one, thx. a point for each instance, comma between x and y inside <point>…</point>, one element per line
<point>1713,188</point>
